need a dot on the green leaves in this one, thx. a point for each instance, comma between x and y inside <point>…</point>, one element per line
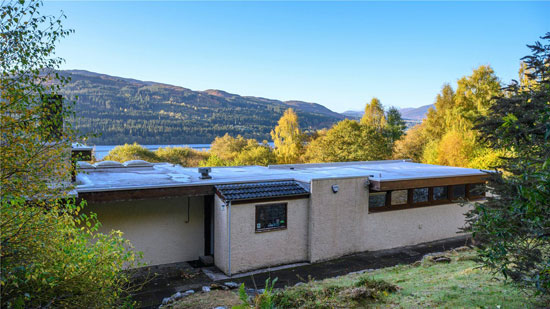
<point>513,224</point>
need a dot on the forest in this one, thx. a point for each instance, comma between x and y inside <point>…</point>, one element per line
<point>116,110</point>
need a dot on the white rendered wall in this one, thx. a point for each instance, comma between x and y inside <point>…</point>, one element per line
<point>157,227</point>
<point>399,228</point>
<point>340,223</point>
<point>221,241</point>
<point>251,250</point>
<point>337,219</point>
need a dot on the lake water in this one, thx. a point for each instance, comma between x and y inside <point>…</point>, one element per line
<point>101,151</point>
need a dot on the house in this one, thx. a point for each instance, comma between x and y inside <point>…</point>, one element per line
<point>252,217</point>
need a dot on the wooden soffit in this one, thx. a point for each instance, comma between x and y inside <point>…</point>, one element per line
<point>377,185</point>
<point>140,194</point>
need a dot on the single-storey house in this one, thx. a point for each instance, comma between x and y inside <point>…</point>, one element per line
<point>252,217</point>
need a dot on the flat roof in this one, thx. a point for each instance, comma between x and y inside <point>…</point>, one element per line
<point>103,176</point>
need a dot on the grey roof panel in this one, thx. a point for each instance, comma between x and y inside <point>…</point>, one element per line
<point>259,190</point>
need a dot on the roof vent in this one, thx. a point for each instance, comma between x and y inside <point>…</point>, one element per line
<point>137,163</point>
<point>84,165</point>
<point>108,164</point>
<point>204,172</point>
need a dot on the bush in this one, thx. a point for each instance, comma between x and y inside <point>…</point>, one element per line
<point>129,152</point>
<point>53,257</point>
<point>183,156</point>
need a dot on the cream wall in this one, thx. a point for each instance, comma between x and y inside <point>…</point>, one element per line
<point>337,219</point>
<point>157,227</point>
<point>221,243</point>
<point>399,228</point>
<point>340,223</point>
<point>251,250</point>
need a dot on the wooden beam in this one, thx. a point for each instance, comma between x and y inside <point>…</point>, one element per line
<point>377,185</point>
<point>140,194</point>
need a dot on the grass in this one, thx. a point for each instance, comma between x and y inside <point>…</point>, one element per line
<point>458,283</point>
<point>208,300</point>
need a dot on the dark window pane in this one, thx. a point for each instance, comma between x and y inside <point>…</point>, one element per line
<point>377,199</point>
<point>420,195</point>
<point>270,216</point>
<point>440,193</point>
<point>399,197</point>
<point>477,189</point>
<point>459,192</point>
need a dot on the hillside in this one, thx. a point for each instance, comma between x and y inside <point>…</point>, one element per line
<point>409,113</point>
<point>126,110</point>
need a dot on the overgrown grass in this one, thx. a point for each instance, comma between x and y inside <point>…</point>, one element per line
<point>457,283</point>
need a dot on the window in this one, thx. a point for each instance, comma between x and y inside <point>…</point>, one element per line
<point>377,199</point>
<point>420,197</point>
<point>271,217</point>
<point>440,193</point>
<point>459,192</point>
<point>476,190</point>
<point>399,197</point>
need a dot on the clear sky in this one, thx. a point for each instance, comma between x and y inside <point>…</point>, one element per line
<point>339,54</point>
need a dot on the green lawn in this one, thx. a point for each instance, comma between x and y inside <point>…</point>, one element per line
<point>458,283</point>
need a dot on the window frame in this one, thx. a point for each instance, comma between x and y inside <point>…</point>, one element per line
<point>430,202</point>
<point>269,229</point>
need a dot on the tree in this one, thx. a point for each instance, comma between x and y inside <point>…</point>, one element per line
<point>348,141</point>
<point>435,124</point>
<point>396,126</point>
<point>51,255</point>
<point>474,96</point>
<point>411,145</point>
<point>449,128</point>
<point>227,147</point>
<point>127,152</point>
<point>255,154</point>
<point>288,138</point>
<point>513,224</point>
<point>374,115</point>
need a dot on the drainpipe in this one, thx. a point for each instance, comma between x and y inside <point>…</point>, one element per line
<point>229,236</point>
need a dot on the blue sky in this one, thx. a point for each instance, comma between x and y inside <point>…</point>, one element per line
<point>339,54</point>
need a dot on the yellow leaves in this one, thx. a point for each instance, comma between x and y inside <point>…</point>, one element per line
<point>374,115</point>
<point>288,138</point>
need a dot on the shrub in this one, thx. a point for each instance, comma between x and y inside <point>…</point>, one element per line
<point>129,152</point>
<point>183,156</point>
<point>54,257</point>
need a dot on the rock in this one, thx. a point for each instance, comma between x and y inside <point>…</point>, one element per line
<point>463,248</point>
<point>166,300</point>
<point>189,292</point>
<point>260,291</point>
<point>441,259</point>
<point>206,260</point>
<point>220,307</point>
<point>416,264</point>
<point>215,286</point>
<point>299,284</point>
<point>177,296</point>
<point>206,289</point>
<point>231,284</point>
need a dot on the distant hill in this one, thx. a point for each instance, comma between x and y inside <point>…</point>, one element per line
<point>415,114</point>
<point>126,110</point>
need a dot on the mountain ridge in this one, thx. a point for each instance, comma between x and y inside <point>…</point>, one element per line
<point>408,113</point>
<point>126,110</point>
